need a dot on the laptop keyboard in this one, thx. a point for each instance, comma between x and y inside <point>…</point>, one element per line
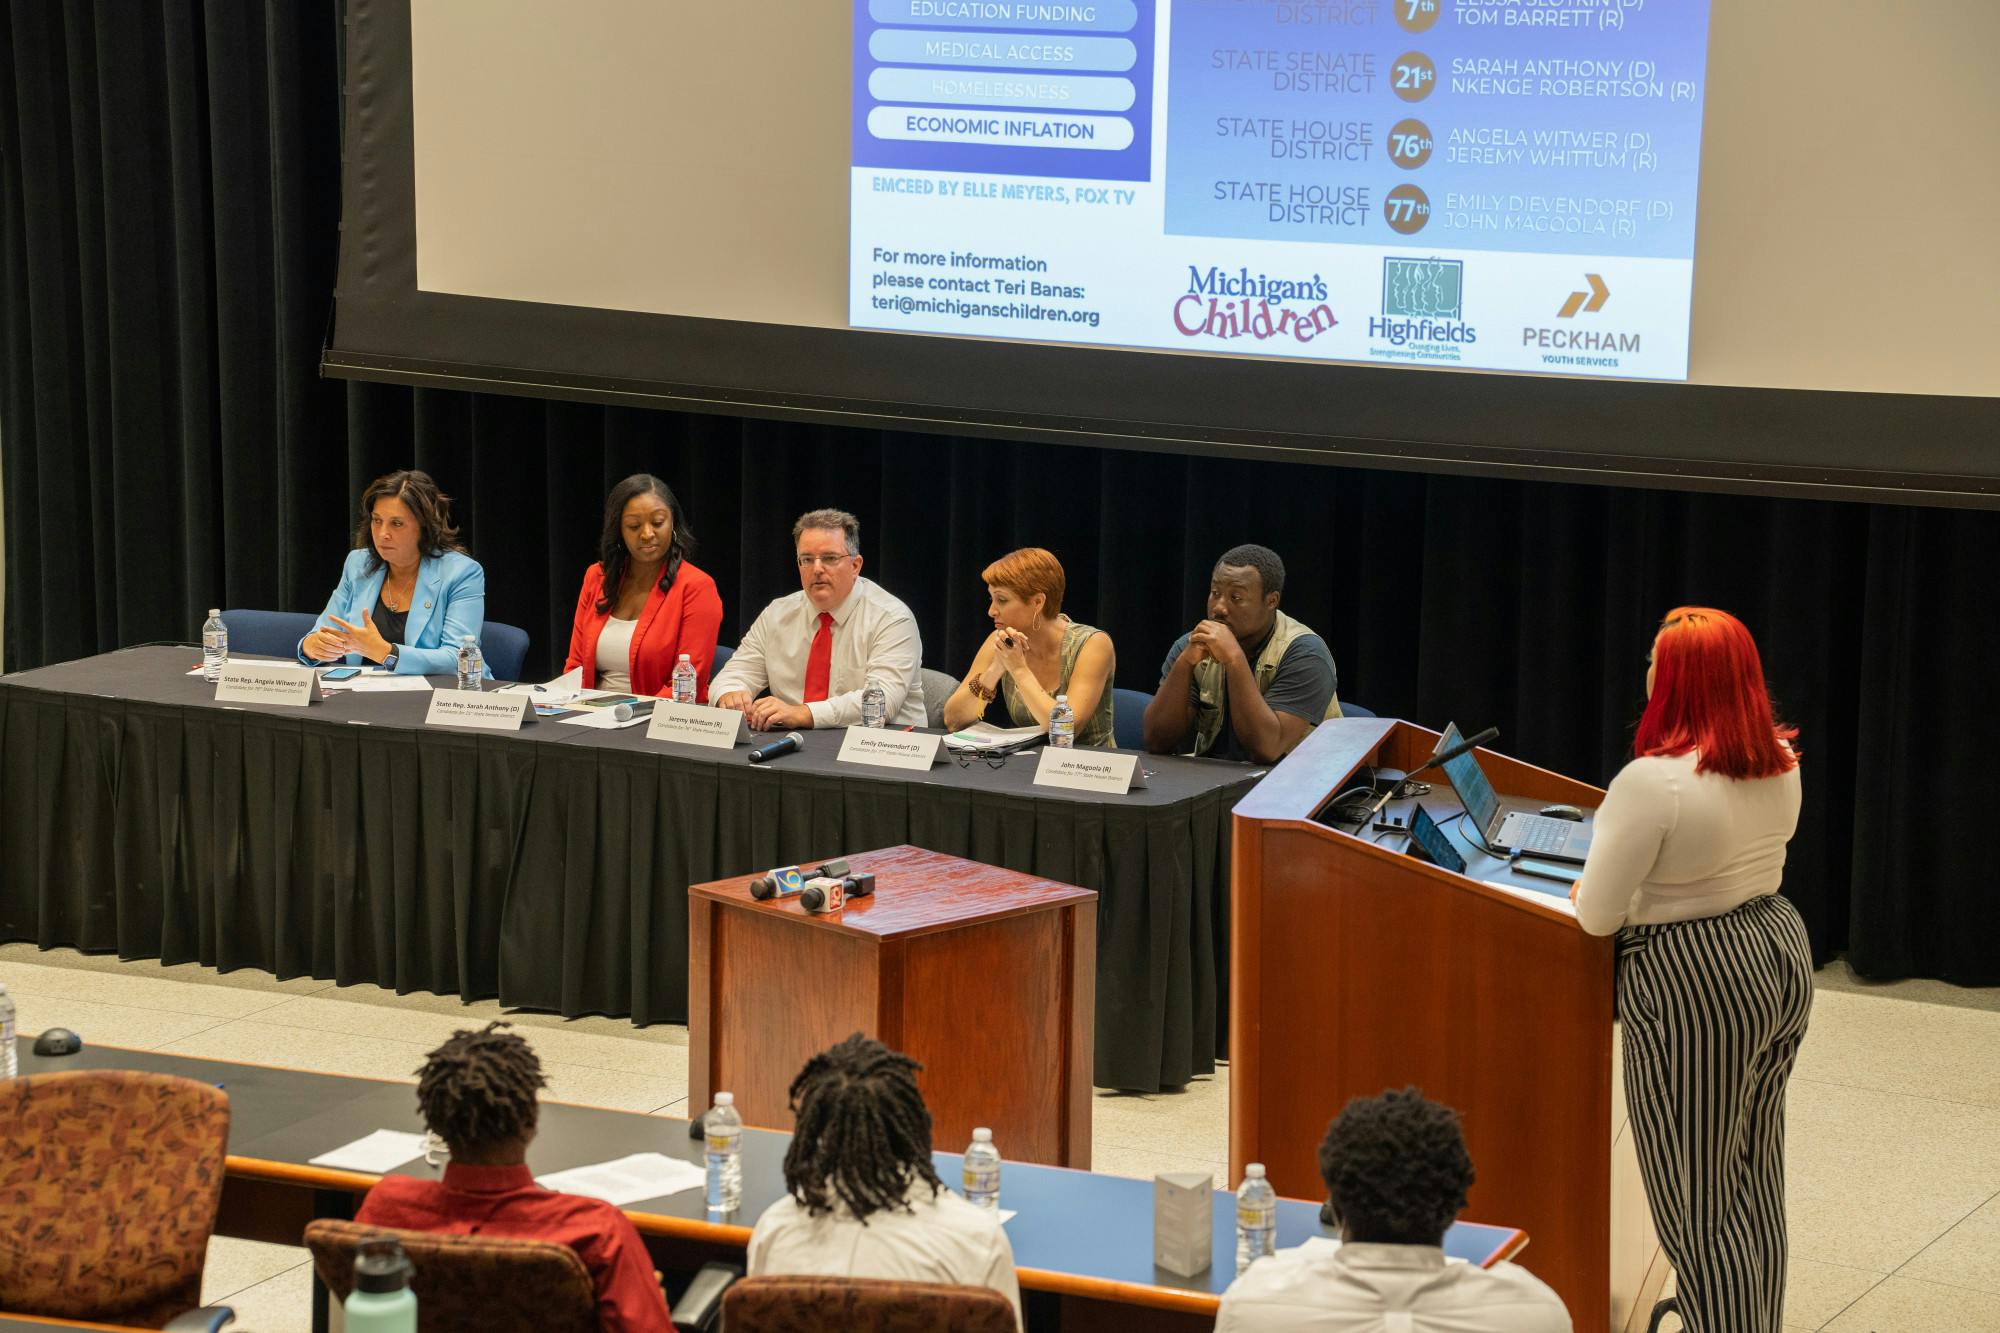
<point>1536,833</point>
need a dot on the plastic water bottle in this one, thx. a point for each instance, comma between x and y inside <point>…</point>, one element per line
<point>10,1059</point>
<point>724,1130</point>
<point>1256,1217</point>
<point>471,666</point>
<point>874,706</point>
<point>684,680</point>
<point>982,1171</point>
<point>1062,725</point>
<point>381,1301</point>
<point>214,645</point>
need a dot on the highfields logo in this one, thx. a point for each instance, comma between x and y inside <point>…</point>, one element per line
<point>1252,305</point>
<point>1422,301</point>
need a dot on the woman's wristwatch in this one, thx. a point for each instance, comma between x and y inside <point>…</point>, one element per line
<point>389,662</point>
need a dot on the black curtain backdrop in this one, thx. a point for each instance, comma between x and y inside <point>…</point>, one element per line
<point>171,203</point>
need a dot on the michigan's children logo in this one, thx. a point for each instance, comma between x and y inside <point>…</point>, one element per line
<point>1252,305</point>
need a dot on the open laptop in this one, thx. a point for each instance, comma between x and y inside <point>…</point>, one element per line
<point>1509,831</point>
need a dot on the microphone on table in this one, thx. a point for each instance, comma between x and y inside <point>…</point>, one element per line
<point>789,743</point>
<point>783,880</point>
<point>828,892</point>
<point>1442,757</point>
<point>626,712</point>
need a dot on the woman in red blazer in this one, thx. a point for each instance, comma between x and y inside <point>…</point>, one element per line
<point>642,603</point>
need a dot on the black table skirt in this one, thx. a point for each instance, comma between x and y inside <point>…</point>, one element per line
<point>548,869</point>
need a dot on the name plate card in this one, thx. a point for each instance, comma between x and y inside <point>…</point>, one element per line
<point>693,724</point>
<point>477,708</point>
<point>913,750</point>
<point>267,683</point>
<point>1086,770</point>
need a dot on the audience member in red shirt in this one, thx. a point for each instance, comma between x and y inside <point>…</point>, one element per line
<point>477,1092</point>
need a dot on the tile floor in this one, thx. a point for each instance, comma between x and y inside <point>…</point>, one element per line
<point>1894,1136</point>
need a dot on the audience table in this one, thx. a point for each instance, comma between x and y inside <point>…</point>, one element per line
<point>1083,1243</point>
<point>548,868</point>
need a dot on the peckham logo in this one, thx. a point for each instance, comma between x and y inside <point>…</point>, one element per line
<point>1423,301</point>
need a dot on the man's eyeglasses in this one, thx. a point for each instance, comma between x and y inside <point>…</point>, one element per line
<point>823,561</point>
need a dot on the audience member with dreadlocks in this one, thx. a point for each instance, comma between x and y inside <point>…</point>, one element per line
<point>477,1093</point>
<point>864,1199</point>
<point>1396,1174</point>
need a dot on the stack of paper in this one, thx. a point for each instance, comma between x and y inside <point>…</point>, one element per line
<point>643,1175</point>
<point>379,1152</point>
<point>984,736</point>
<point>1555,899</point>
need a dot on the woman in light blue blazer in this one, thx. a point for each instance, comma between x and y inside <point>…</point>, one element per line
<point>408,592</point>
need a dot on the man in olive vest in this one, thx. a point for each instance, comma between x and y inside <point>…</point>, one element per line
<point>1249,682</point>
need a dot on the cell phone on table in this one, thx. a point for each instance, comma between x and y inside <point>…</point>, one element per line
<point>608,701</point>
<point>340,673</point>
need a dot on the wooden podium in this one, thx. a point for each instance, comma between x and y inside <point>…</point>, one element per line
<point>984,975</point>
<point>1357,967</point>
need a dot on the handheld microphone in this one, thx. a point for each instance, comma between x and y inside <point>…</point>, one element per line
<point>626,712</point>
<point>827,892</point>
<point>790,742</point>
<point>831,870</point>
<point>823,894</point>
<point>1443,757</point>
<point>783,880</point>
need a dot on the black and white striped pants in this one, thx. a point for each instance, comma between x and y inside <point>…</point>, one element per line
<point>1713,1011</point>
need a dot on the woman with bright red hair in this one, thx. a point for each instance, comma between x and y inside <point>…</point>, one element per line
<point>1036,653</point>
<point>1714,969</point>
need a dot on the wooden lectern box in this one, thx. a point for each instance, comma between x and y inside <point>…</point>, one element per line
<point>1355,967</point>
<point>984,975</point>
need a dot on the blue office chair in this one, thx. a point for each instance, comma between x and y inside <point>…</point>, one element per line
<point>1348,708</point>
<point>504,648</point>
<point>268,633</point>
<point>1128,718</point>
<point>723,652</point>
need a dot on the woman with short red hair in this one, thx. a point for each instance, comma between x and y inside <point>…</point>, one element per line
<point>1035,653</point>
<point>1714,969</point>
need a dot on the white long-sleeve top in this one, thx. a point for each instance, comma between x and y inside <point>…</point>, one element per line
<point>941,1238</point>
<point>1326,1287</point>
<point>1671,844</point>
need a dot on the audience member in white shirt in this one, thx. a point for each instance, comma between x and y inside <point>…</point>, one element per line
<point>864,1199</point>
<point>1396,1174</point>
<point>815,650</point>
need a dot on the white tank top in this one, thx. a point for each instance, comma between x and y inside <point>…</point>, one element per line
<point>614,654</point>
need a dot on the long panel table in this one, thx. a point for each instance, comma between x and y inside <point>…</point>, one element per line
<point>1083,1243</point>
<point>547,868</point>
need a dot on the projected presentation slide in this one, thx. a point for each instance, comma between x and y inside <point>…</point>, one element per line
<point>1482,184</point>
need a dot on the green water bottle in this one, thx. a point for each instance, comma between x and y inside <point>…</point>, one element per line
<point>381,1301</point>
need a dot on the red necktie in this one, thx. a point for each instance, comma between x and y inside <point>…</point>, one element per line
<point>819,662</point>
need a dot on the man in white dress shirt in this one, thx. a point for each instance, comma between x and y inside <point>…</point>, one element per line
<point>815,650</point>
<point>863,1198</point>
<point>1396,1174</point>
